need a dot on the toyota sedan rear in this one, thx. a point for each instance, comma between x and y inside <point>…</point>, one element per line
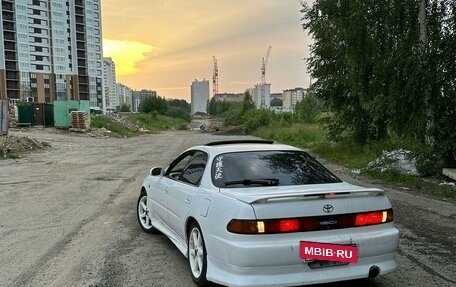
<point>264,214</point>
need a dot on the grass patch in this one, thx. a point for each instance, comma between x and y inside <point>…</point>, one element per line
<point>155,122</point>
<point>413,182</point>
<point>446,191</point>
<point>394,176</point>
<point>301,135</point>
<point>314,138</point>
<point>350,155</point>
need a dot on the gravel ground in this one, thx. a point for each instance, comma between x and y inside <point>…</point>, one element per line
<point>67,217</point>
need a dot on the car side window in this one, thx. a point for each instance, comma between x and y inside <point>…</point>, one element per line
<point>177,167</point>
<point>194,170</point>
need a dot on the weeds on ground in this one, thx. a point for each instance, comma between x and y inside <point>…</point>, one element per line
<point>156,122</point>
<point>301,135</point>
<point>151,122</point>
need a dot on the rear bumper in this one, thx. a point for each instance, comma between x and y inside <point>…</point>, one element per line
<point>273,260</point>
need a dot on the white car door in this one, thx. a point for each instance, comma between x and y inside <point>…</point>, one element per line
<point>159,190</point>
<point>157,200</point>
<point>183,191</point>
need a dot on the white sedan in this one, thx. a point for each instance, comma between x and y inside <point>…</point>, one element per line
<point>255,213</point>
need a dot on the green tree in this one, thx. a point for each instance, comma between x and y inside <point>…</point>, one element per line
<point>178,109</point>
<point>308,109</point>
<point>256,118</point>
<point>154,103</point>
<point>179,103</point>
<point>248,103</point>
<point>381,69</point>
<point>219,107</point>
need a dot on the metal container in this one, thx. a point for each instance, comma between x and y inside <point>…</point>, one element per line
<point>48,115</point>
<point>25,114</point>
<point>63,109</point>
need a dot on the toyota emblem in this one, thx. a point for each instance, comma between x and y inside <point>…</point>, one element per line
<point>328,208</point>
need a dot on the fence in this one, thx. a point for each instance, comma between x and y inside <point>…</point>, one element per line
<point>4,119</point>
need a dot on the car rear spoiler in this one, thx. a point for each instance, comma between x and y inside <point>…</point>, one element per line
<point>300,195</point>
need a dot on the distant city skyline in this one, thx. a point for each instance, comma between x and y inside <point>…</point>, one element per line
<point>166,45</point>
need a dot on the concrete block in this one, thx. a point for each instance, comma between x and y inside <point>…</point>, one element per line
<point>450,172</point>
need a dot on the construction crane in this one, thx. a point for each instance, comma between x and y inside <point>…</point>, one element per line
<point>263,66</point>
<point>215,78</point>
<point>263,78</point>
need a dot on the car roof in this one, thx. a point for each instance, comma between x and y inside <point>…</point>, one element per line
<point>243,147</point>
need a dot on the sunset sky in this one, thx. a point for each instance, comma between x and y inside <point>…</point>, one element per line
<point>164,45</point>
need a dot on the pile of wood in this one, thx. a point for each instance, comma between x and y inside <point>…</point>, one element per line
<point>79,121</point>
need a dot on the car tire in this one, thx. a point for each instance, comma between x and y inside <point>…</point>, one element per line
<point>142,212</point>
<point>197,256</point>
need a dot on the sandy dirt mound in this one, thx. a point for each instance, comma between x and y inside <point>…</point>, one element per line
<point>15,147</point>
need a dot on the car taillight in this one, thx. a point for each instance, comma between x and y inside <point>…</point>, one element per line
<point>270,226</point>
<point>314,223</point>
<point>376,217</point>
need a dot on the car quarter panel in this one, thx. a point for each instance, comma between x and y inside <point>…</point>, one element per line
<point>221,210</point>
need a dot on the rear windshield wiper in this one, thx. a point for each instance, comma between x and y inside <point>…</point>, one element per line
<point>262,181</point>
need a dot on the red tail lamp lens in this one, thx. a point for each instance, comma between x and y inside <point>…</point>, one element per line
<point>288,225</point>
<point>312,223</point>
<point>371,218</point>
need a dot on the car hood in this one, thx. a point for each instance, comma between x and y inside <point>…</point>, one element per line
<point>298,192</point>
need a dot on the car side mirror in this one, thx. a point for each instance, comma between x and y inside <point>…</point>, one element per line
<point>156,171</point>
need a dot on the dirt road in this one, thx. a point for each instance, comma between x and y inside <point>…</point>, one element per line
<point>67,218</point>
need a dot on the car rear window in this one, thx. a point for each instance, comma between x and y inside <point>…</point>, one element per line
<point>266,168</point>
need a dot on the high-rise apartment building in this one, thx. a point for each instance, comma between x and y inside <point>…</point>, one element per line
<point>199,96</point>
<point>125,95</point>
<point>261,95</point>
<point>110,84</point>
<point>51,50</point>
<point>291,96</point>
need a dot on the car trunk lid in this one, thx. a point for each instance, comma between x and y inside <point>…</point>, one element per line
<point>311,200</point>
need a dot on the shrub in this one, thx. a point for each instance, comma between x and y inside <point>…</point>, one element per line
<point>255,119</point>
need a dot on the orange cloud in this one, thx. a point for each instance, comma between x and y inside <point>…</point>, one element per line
<point>126,54</point>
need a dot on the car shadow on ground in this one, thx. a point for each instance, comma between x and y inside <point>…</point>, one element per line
<point>352,283</point>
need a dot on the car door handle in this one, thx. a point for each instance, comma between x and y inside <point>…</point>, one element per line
<point>188,200</point>
<point>165,191</point>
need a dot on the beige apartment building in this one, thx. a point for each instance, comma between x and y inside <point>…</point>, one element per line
<point>51,50</point>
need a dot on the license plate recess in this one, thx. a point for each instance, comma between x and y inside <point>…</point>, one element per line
<point>328,252</point>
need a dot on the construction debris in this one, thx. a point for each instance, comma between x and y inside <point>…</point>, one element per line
<point>99,133</point>
<point>15,147</point>
<point>400,160</point>
<point>125,122</point>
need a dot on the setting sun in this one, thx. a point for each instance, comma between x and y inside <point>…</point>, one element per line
<point>126,54</point>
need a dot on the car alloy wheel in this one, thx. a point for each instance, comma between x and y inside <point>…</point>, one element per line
<point>197,255</point>
<point>143,214</point>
